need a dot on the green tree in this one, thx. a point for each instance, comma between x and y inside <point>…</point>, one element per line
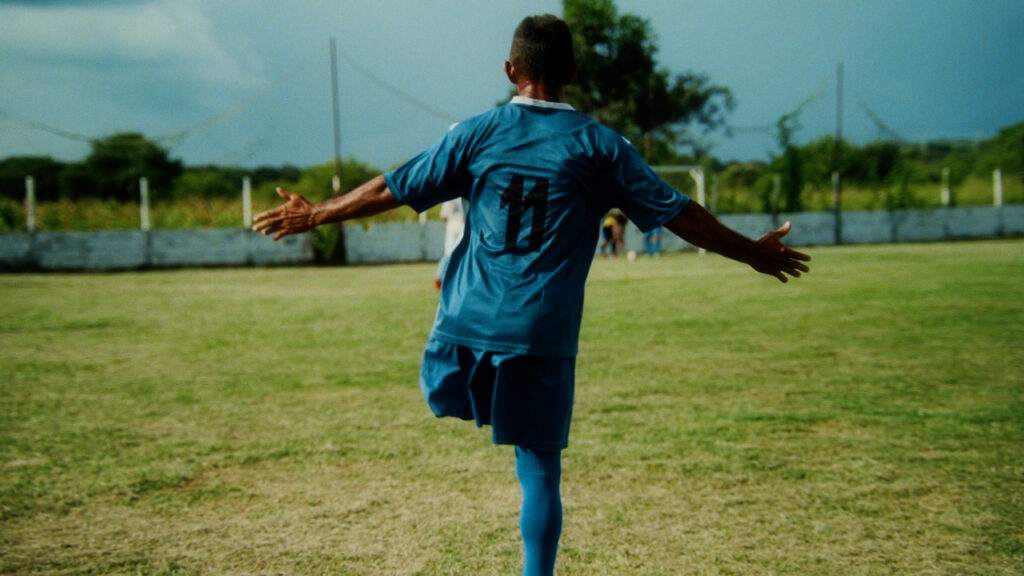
<point>1005,151</point>
<point>44,170</point>
<point>819,162</point>
<point>116,163</point>
<point>208,182</point>
<point>790,164</point>
<point>620,84</point>
<point>315,182</point>
<point>275,174</point>
<point>316,185</point>
<point>878,162</point>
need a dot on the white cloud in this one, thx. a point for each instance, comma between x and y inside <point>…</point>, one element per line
<point>173,37</point>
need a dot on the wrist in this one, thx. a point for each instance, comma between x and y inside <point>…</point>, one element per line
<point>315,216</point>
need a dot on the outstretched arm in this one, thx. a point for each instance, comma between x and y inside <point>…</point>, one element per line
<point>767,254</point>
<point>298,215</point>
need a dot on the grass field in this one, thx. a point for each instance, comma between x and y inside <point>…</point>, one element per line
<point>866,419</point>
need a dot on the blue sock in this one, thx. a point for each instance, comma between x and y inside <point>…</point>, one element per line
<point>540,474</point>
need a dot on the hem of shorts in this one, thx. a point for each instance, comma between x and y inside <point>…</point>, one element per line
<point>538,446</point>
<point>501,441</point>
<point>503,347</point>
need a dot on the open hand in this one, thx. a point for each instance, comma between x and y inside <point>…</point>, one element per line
<point>774,258</point>
<point>292,217</point>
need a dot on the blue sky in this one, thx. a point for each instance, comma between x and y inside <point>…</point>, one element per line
<point>247,82</point>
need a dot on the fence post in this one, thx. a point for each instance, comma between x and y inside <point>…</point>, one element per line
<point>144,204</point>
<point>30,203</point>
<point>247,202</point>
<point>945,196</point>
<point>997,187</point>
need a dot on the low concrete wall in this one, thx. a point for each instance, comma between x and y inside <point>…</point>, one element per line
<point>863,227</point>
<point>400,242</point>
<point>131,249</point>
<point>413,242</point>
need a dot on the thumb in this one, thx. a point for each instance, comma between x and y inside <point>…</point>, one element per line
<point>777,234</point>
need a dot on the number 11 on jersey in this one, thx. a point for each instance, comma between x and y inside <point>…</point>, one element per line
<point>536,200</point>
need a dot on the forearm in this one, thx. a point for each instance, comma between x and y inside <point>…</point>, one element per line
<point>700,228</point>
<point>372,197</point>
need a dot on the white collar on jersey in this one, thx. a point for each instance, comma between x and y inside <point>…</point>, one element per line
<point>541,103</point>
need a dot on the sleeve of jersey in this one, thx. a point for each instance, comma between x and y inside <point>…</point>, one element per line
<point>638,191</point>
<point>431,177</point>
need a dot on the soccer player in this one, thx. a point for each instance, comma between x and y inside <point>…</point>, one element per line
<point>454,225</point>
<point>538,178</point>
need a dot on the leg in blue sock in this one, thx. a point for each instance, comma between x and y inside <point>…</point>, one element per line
<point>540,474</point>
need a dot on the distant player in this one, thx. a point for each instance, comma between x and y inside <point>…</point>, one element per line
<point>452,212</point>
<point>538,178</point>
<point>609,242</point>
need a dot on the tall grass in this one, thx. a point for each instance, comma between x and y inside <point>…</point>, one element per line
<point>730,198</point>
<point>95,214</point>
<point>864,419</point>
<point>186,213</point>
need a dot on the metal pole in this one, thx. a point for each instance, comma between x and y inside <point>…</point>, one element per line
<point>776,195</point>
<point>337,129</point>
<point>837,185</point>
<point>339,253</point>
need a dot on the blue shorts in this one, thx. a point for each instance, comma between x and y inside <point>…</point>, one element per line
<point>526,400</point>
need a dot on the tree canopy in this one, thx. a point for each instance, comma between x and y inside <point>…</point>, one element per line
<point>1005,151</point>
<point>621,85</point>
<point>117,162</point>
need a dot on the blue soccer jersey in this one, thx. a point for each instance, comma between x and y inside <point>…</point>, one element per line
<point>539,176</point>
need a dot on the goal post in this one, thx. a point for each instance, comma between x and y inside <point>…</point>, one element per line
<point>671,173</point>
<point>683,177</point>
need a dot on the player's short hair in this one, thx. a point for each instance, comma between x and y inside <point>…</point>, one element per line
<point>542,50</point>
